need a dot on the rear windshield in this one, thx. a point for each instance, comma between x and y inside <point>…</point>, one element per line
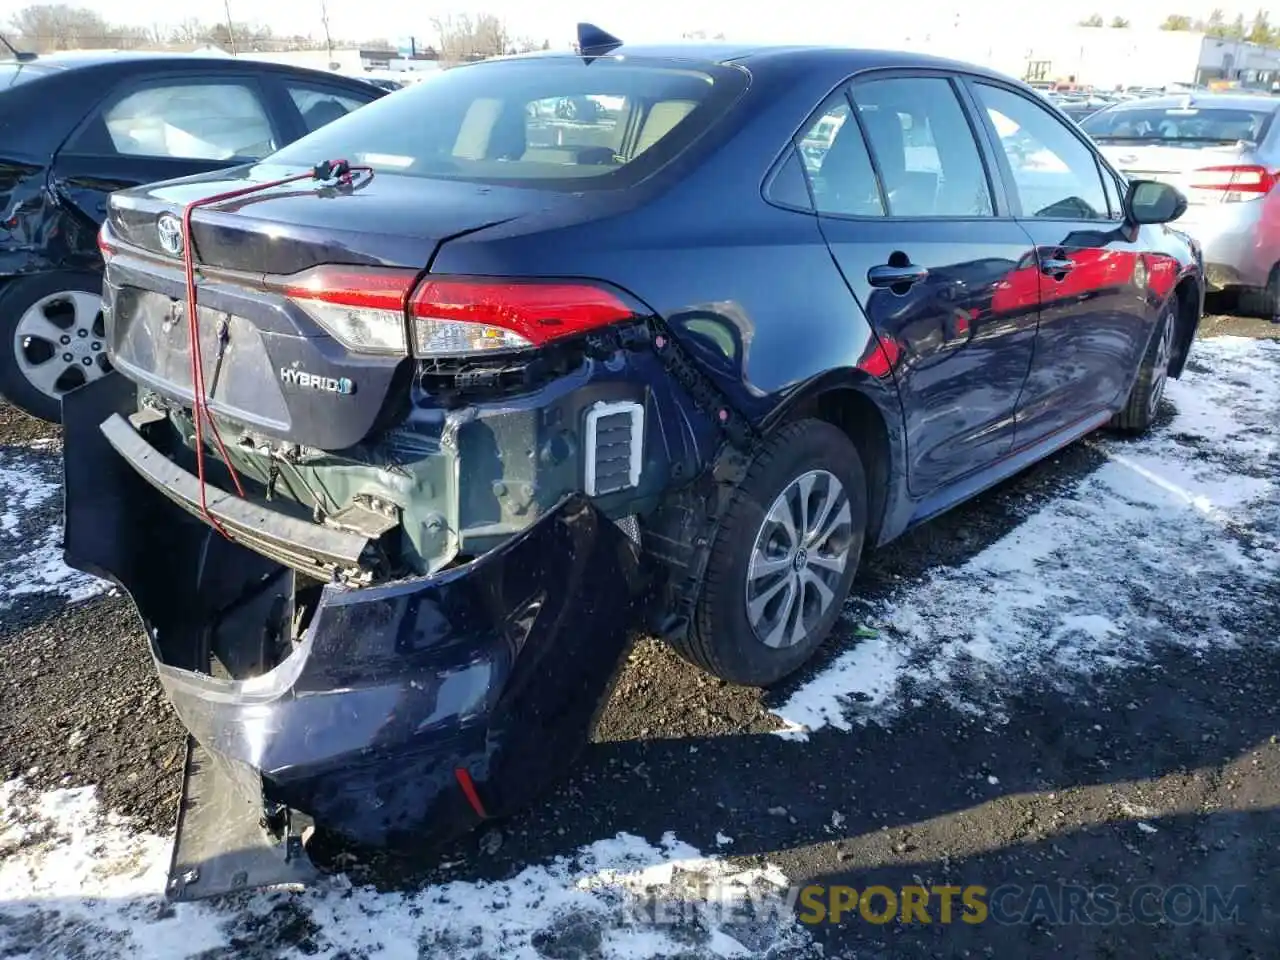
<point>552,122</point>
<point>1193,124</point>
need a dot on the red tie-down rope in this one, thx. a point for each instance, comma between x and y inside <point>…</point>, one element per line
<point>338,170</point>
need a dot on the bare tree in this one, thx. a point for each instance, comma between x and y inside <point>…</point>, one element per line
<point>528,45</point>
<point>190,30</point>
<point>60,27</point>
<point>463,37</point>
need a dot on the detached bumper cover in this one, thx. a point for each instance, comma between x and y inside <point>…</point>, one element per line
<point>489,673</point>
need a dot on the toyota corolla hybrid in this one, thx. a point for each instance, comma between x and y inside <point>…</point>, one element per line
<point>464,400</point>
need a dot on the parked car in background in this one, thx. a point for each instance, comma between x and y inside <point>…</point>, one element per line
<point>769,307</point>
<point>1222,151</point>
<point>384,83</point>
<point>75,127</point>
<point>1078,109</point>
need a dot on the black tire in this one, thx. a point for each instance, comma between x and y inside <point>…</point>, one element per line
<point>1140,409</point>
<point>17,298</point>
<point>1263,303</point>
<point>722,640</point>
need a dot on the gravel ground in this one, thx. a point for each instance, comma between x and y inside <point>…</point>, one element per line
<point>1167,773</point>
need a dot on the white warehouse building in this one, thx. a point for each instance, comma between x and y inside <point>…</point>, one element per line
<point>1101,57</point>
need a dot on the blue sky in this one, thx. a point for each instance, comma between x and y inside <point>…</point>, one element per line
<point>637,20</point>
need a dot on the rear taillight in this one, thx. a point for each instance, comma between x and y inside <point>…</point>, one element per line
<point>361,307</point>
<point>369,309</point>
<point>455,317</point>
<point>1242,182</point>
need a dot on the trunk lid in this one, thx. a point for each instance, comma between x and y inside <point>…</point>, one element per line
<point>1176,163</point>
<point>386,220</point>
<point>270,365</point>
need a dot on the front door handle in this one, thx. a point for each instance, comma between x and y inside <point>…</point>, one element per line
<point>885,275</point>
<point>1056,266</point>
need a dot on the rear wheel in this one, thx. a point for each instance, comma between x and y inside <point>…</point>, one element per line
<point>1148,390</point>
<point>1264,303</point>
<point>53,340</point>
<point>784,558</point>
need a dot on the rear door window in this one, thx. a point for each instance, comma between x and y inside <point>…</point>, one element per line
<point>838,165</point>
<point>189,121</point>
<point>320,106</point>
<point>552,122</point>
<point>925,151</point>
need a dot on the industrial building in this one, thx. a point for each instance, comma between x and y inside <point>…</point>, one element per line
<point>1102,57</point>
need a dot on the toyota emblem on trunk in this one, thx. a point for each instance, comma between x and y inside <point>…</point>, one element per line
<point>169,230</point>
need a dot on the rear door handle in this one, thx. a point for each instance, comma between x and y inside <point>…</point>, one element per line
<point>1056,265</point>
<point>885,275</point>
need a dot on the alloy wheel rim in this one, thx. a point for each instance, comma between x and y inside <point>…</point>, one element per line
<point>801,552</point>
<point>60,342</point>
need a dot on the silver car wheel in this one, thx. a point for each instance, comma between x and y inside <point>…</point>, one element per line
<point>60,342</point>
<point>800,554</point>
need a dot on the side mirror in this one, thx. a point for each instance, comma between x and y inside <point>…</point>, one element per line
<point>1149,201</point>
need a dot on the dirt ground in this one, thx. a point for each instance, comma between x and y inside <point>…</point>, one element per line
<point>1165,775</point>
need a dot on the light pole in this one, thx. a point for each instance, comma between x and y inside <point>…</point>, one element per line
<point>328,41</point>
<point>231,31</point>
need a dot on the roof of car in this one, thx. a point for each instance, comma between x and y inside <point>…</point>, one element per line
<point>720,52</point>
<point>72,59</point>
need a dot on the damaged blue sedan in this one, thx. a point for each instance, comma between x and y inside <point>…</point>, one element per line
<point>415,421</point>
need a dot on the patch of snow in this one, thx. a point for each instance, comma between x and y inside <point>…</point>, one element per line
<point>75,881</point>
<point>31,533</point>
<point>1155,546</point>
<point>22,492</point>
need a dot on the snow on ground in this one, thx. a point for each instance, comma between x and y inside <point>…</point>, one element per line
<point>1155,546</point>
<point>31,534</point>
<point>75,882</point>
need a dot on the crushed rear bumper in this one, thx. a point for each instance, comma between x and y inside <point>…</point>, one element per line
<point>404,712</point>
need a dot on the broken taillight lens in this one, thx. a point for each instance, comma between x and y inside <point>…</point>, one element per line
<point>456,317</point>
